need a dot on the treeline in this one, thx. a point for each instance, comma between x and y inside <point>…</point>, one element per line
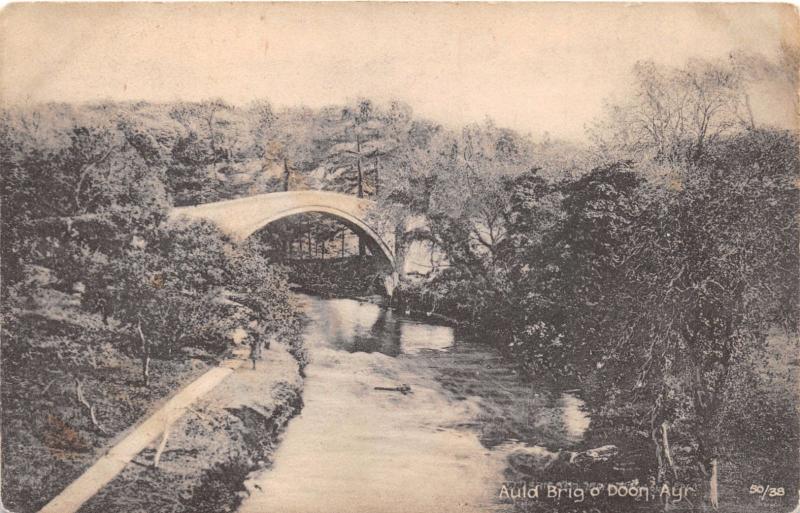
<point>656,280</point>
<point>209,151</point>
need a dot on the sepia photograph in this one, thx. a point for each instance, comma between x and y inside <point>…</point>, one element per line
<point>399,257</point>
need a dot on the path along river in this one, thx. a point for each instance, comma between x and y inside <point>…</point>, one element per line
<point>441,448</point>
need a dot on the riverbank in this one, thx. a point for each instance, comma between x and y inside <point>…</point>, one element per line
<point>72,391</point>
<point>211,449</point>
<point>69,393</point>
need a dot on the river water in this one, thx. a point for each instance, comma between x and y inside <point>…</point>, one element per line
<point>440,448</point>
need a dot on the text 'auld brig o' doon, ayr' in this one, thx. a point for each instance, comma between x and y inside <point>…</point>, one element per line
<point>580,492</point>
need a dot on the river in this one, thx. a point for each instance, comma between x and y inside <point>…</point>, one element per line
<point>440,448</point>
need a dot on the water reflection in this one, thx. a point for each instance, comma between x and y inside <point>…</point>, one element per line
<point>356,326</point>
<point>415,337</point>
<point>349,325</point>
<point>574,416</point>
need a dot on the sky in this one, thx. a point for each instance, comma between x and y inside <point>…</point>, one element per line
<point>532,67</point>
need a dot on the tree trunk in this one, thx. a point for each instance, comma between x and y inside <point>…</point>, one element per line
<point>362,247</point>
<point>358,166</point>
<point>210,122</point>
<point>713,492</point>
<point>377,179</point>
<point>342,243</point>
<point>665,446</point>
<point>660,440</point>
<point>89,407</point>
<point>751,119</point>
<point>285,175</point>
<point>162,445</point>
<point>400,248</point>
<point>145,355</point>
<point>659,456</point>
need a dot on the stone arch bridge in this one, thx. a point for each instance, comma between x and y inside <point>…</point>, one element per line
<point>240,218</point>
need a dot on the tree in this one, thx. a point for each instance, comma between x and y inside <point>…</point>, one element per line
<point>213,137</point>
<point>264,289</point>
<point>674,114</point>
<point>74,190</point>
<point>262,126</point>
<point>167,291</point>
<point>740,210</point>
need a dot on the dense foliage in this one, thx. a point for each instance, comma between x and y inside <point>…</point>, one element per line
<point>654,280</point>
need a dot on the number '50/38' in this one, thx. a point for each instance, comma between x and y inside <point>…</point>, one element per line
<point>770,490</point>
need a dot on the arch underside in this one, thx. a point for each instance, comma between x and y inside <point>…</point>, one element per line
<point>354,223</point>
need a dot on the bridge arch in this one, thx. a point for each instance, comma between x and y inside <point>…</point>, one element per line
<point>353,222</point>
<point>242,217</point>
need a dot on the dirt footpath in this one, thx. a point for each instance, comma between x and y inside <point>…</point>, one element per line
<point>210,450</point>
